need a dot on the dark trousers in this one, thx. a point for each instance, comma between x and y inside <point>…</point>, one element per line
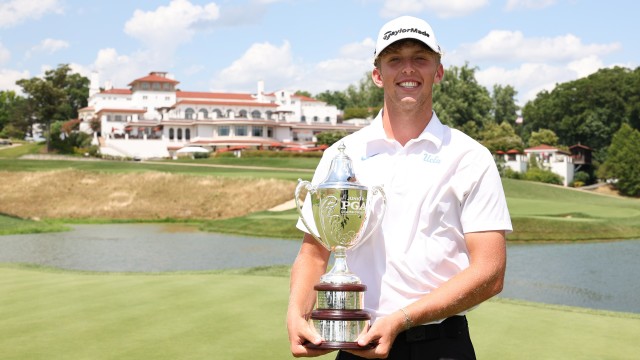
<point>447,340</point>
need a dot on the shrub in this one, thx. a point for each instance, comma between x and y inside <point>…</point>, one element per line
<point>544,176</point>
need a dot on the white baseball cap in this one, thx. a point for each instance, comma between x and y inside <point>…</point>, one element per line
<point>406,27</point>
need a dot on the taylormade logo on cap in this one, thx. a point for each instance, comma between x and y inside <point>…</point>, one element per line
<point>389,34</point>
<point>406,27</point>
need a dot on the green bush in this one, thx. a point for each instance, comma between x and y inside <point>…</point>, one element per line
<point>511,174</point>
<point>201,155</point>
<point>544,176</point>
<point>271,154</point>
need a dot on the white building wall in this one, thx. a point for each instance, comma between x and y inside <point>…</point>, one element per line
<point>151,100</point>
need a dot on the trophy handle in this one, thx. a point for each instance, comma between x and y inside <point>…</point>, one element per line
<point>311,189</point>
<point>376,190</point>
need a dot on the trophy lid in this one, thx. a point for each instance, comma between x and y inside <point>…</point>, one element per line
<point>341,174</point>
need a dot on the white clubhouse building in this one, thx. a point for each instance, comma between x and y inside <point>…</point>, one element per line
<point>152,118</point>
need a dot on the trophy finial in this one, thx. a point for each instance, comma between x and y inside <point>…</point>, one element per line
<point>341,170</point>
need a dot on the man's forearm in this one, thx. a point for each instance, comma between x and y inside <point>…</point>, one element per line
<point>480,281</point>
<point>309,265</point>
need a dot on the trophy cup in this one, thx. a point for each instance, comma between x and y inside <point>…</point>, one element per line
<point>341,209</point>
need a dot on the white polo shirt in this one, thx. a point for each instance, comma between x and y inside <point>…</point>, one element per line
<point>439,186</point>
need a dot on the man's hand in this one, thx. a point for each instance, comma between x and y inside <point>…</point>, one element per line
<point>382,333</point>
<point>300,333</point>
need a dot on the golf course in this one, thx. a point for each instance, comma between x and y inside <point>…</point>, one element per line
<point>49,313</point>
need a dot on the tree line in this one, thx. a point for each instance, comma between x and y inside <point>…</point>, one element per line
<point>601,111</point>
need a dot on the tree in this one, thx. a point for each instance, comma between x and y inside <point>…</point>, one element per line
<point>329,137</point>
<point>459,98</point>
<point>336,98</point>
<point>504,104</point>
<point>57,96</point>
<point>588,110</point>
<point>544,136</point>
<point>500,137</point>
<point>622,161</point>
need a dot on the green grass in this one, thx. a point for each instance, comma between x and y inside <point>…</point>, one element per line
<point>280,225</point>
<point>539,212</point>
<point>130,166</point>
<point>275,162</point>
<point>551,213</point>
<point>13,225</point>
<point>240,314</point>
<point>24,149</point>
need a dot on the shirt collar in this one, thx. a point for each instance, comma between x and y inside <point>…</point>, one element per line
<point>433,132</point>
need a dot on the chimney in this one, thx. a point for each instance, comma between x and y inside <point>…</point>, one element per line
<point>260,94</point>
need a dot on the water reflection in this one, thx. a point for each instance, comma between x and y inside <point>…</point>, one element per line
<point>144,248</point>
<point>594,275</point>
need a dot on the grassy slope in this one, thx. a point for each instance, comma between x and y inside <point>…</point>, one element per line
<point>544,212</point>
<point>52,314</point>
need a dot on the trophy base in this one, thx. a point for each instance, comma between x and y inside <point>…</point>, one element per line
<point>337,345</point>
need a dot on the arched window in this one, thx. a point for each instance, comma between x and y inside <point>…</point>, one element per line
<point>171,135</point>
<point>327,119</point>
<point>187,134</point>
<point>303,119</point>
<point>179,134</point>
<point>204,114</point>
<point>216,113</point>
<point>188,114</point>
<point>255,114</point>
<point>269,114</point>
<point>315,119</point>
<point>242,113</point>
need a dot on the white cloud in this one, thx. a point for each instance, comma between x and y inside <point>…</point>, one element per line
<point>274,65</point>
<point>361,50</point>
<point>335,74</point>
<point>9,77</point>
<point>443,9</point>
<point>48,46</point>
<point>531,78</point>
<point>586,66</point>
<point>118,69</point>
<point>501,45</point>
<point>51,45</point>
<point>528,4</point>
<point>14,12</point>
<point>169,26</point>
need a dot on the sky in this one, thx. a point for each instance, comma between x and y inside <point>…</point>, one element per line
<point>311,45</point>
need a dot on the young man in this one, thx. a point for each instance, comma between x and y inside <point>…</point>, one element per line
<point>440,249</point>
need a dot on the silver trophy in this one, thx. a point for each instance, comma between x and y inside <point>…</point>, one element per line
<point>341,209</point>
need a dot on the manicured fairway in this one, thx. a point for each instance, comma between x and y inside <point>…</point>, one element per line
<point>51,314</point>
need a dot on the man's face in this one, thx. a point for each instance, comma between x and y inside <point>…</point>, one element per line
<point>407,74</point>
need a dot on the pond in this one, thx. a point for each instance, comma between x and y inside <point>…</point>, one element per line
<point>594,275</point>
<point>144,248</point>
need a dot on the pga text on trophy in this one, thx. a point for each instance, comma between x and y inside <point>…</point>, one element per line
<point>341,209</point>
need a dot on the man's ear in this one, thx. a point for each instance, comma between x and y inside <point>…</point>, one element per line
<point>376,76</point>
<point>439,74</point>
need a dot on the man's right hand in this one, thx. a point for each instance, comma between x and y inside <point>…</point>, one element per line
<point>300,333</point>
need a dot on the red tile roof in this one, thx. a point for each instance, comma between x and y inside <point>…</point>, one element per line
<point>212,95</point>
<point>223,102</point>
<point>155,78</point>
<point>134,111</point>
<point>117,91</point>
